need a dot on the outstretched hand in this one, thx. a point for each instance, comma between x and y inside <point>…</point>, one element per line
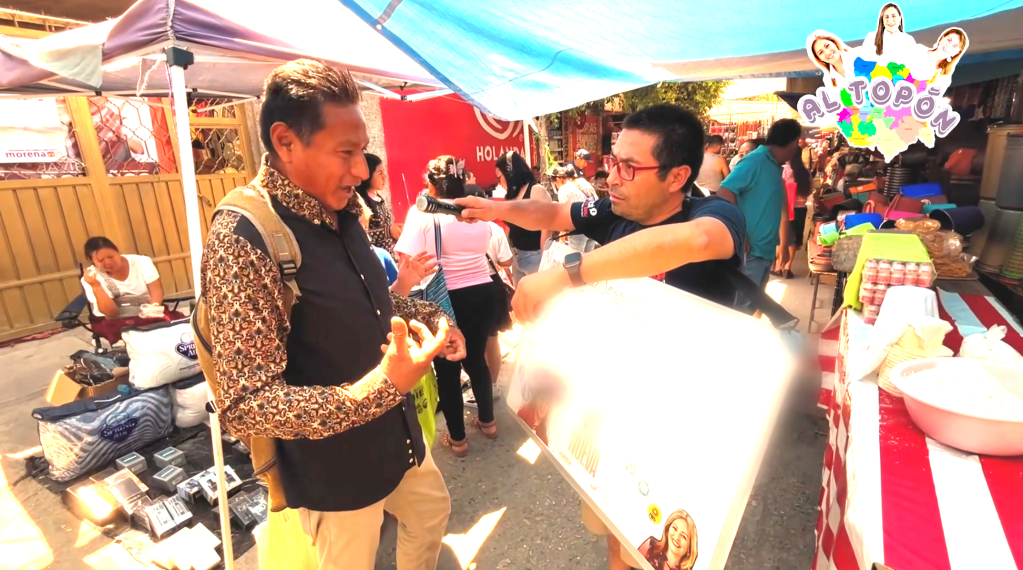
<point>406,361</point>
<point>535,290</point>
<point>477,209</point>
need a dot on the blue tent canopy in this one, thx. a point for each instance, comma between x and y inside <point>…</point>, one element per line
<point>523,58</point>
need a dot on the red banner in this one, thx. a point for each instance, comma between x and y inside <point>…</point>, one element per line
<point>415,133</point>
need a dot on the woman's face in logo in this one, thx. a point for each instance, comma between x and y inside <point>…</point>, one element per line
<point>950,45</point>
<point>826,50</point>
<point>678,538</point>
<point>892,19</point>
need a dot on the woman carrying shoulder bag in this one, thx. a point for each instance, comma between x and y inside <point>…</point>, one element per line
<point>463,263</point>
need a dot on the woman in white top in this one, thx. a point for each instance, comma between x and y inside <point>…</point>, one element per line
<point>118,285</point>
<point>940,61</point>
<point>832,56</point>
<point>463,261</point>
<point>889,40</point>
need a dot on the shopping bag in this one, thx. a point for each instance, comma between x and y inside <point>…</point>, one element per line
<point>426,396</point>
<point>436,290</point>
<point>281,543</point>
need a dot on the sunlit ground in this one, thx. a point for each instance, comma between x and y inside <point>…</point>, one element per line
<point>22,544</point>
<point>529,451</point>
<point>467,545</point>
<point>776,290</point>
<point>25,546</point>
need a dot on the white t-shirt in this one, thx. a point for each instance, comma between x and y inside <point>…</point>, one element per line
<point>499,249</point>
<point>141,273</point>
<point>895,46</point>
<point>464,255</point>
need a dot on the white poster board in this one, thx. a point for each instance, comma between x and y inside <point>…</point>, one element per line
<point>653,403</point>
<point>31,131</point>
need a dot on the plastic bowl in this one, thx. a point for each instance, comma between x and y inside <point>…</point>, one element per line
<point>965,431</point>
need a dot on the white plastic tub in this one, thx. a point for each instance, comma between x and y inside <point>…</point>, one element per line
<point>970,431</point>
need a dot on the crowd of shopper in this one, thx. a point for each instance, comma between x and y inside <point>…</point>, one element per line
<point>331,380</point>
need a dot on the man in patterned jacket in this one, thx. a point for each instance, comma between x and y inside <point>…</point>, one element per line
<point>349,445</point>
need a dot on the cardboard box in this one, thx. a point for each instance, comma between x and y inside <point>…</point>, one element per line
<point>168,478</point>
<point>93,502</point>
<point>169,456</point>
<point>64,390</point>
<point>132,462</point>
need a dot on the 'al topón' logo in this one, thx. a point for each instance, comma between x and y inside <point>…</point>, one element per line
<point>498,129</point>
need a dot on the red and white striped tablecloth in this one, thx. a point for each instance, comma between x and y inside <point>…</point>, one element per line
<point>894,497</point>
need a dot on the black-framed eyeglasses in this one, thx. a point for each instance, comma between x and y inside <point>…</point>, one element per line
<point>626,171</point>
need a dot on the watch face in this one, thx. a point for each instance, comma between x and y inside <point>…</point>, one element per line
<point>573,258</point>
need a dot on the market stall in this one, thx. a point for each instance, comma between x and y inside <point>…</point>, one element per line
<point>893,496</point>
<point>182,49</point>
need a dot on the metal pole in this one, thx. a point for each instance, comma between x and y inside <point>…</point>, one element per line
<point>177,60</point>
<point>525,143</point>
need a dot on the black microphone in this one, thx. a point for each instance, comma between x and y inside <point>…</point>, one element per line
<point>431,205</point>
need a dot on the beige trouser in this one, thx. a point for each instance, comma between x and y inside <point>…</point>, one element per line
<point>348,540</point>
<point>592,522</point>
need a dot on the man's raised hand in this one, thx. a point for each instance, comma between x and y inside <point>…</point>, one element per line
<point>405,361</point>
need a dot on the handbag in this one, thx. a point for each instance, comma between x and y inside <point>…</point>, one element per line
<point>436,290</point>
<point>82,436</point>
<point>904,205</point>
<point>505,290</point>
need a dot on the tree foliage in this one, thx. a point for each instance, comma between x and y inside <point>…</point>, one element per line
<point>696,96</point>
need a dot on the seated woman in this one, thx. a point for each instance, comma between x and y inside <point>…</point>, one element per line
<point>118,285</point>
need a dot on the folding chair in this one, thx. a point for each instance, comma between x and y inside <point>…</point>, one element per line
<point>107,329</point>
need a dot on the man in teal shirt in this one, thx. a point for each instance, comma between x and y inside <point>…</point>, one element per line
<point>757,188</point>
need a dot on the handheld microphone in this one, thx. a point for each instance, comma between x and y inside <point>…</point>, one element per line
<point>431,205</point>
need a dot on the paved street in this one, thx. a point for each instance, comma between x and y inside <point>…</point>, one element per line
<point>509,510</point>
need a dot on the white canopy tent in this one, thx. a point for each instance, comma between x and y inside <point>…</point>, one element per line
<point>213,48</point>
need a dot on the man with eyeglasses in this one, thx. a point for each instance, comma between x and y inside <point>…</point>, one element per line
<point>655,161</point>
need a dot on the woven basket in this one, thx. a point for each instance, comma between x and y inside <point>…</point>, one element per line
<point>908,348</point>
<point>845,253</point>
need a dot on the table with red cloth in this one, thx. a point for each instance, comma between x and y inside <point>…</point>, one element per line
<point>894,498</point>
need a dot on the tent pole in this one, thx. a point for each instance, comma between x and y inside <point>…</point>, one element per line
<point>525,142</point>
<point>177,60</point>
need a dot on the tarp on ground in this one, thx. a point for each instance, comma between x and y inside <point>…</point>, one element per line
<point>522,58</point>
<point>236,44</point>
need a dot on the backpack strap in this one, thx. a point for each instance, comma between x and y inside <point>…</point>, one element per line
<point>255,205</point>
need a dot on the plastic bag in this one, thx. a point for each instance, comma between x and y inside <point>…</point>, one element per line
<point>989,346</point>
<point>189,397</point>
<point>161,353</point>
<point>282,543</point>
<point>426,396</point>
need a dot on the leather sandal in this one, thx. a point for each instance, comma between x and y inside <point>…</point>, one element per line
<point>488,430</point>
<point>458,448</point>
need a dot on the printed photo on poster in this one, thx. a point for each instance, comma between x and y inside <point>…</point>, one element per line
<point>31,131</point>
<point>676,548</point>
<point>541,388</point>
<point>887,93</point>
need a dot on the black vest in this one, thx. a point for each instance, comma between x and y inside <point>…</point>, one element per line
<point>337,327</point>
